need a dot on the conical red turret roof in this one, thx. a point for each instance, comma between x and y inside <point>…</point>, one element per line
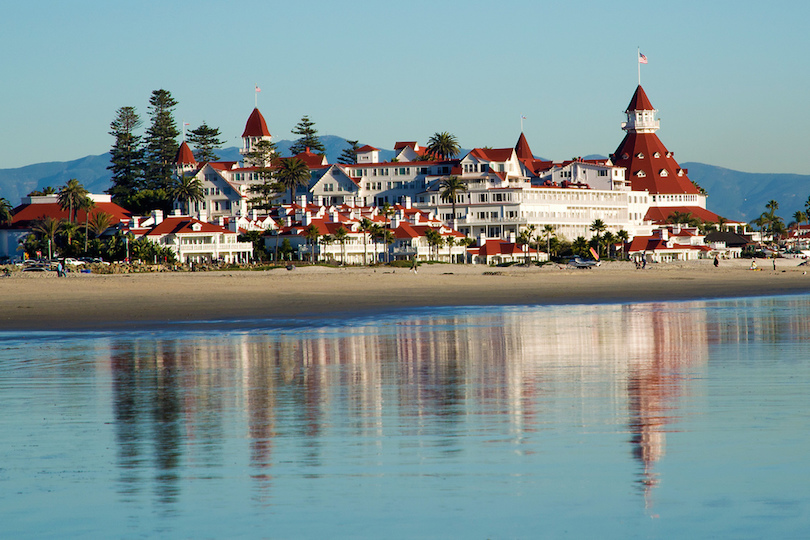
<point>185,156</point>
<point>650,166</point>
<point>640,101</point>
<point>522,149</point>
<point>256,126</point>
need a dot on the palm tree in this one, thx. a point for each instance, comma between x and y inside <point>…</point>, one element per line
<point>608,239</point>
<point>772,206</point>
<point>5,211</point>
<point>366,226</point>
<point>624,237</point>
<point>443,145</point>
<point>71,196</point>
<point>187,189</point>
<point>524,238</point>
<point>377,235</point>
<point>721,223</point>
<point>580,245</point>
<point>312,233</point>
<point>548,232</point>
<point>466,242</point>
<point>449,188</point>
<point>48,227</point>
<point>100,222</point>
<point>598,227</point>
<point>451,241</point>
<point>86,204</point>
<point>799,217</point>
<point>291,173</point>
<point>341,235</point>
<point>682,218</point>
<point>434,240</point>
<point>69,230</point>
<point>388,239</point>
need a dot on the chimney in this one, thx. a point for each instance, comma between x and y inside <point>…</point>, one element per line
<point>406,201</point>
<point>221,221</point>
<point>157,216</point>
<point>302,200</point>
<point>307,219</point>
<point>135,222</point>
<point>318,200</point>
<point>482,239</point>
<point>512,237</point>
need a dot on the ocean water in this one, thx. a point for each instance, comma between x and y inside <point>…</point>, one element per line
<point>659,420</point>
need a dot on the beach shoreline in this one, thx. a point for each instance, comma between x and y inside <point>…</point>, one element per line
<point>41,301</point>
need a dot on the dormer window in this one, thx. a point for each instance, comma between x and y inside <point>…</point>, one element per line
<point>680,172</point>
<point>196,227</point>
<point>641,174</point>
<point>669,154</point>
<point>663,172</point>
<point>640,155</point>
<point>625,155</point>
<point>657,155</point>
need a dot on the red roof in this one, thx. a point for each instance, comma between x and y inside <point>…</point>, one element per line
<point>493,154</point>
<point>400,145</point>
<point>522,149</point>
<point>647,172</point>
<point>26,214</point>
<point>640,101</point>
<point>256,126</point>
<point>183,225</point>
<point>312,160</point>
<point>367,148</point>
<point>185,156</point>
<point>496,246</point>
<point>659,214</point>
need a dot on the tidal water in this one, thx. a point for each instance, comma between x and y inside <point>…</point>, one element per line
<point>659,420</point>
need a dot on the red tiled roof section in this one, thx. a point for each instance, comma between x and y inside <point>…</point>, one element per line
<point>522,148</point>
<point>256,126</point>
<point>647,145</point>
<point>184,155</point>
<point>175,225</point>
<point>26,214</point>
<point>640,101</point>
<point>493,154</point>
<point>367,148</point>
<point>659,214</point>
<point>404,144</point>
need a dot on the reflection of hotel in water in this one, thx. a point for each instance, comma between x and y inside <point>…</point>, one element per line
<point>514,365</point>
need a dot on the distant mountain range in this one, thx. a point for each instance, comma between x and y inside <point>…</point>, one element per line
<point>732,194</point>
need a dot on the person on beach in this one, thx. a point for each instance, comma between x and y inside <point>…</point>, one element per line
<point>415,266</point>
<point>753,265</point>
<point>60,270</point>
<point>716,261</point>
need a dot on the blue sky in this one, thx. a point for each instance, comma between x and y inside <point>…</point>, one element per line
<point>730,79</point>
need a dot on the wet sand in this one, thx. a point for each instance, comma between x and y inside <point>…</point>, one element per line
<point>41,301</point>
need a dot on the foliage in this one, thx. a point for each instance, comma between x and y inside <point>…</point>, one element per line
<point>5,211</point>
<point>126,155</point>
<point>291,173</point>
<point>205,141</point>
<point>449,188</point>
<point>443,145</point>
<point>349,154</point>
<point>161,142</point>
<point>263,156</point>
<point>71,196</point>
<point>312,233</point>
<point>308,138</point>
<point>257,239</point>
<point>99,222</point>
<point>44,191</point>
<point>434,240</point>
<point>187,189</point>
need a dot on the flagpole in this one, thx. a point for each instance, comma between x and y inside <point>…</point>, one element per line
<point>638,61</point>
<point>521,123</point>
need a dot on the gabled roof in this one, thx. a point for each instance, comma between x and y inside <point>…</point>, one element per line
<point>184,225</point>
<point>367,148</point>
<point>312,160</point>
<point>492,154</point>
<point>640,101</point>
<point>184,155</point>
<point>404,144</point>
<point>256,126</point>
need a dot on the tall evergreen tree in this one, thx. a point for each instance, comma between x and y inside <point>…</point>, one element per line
<point>349,155</point>
<point>205,141</point>
<point>308,138</point>
<point>263,156</point>
<point>161,141</point>
<point>126,155</point>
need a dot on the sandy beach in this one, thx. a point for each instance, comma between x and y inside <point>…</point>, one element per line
<point>42,301</point>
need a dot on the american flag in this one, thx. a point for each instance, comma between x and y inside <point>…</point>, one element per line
<point>642,59</point>
<point>258,89</point>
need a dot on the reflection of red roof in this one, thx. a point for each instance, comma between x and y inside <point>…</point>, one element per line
<point>659,214</point>
<point>256,126</point>
<point>26,214</point>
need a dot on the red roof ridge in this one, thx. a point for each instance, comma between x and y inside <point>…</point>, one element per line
<point>256,126</point>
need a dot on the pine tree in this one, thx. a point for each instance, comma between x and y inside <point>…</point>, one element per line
<point>205,141</point>
<point>263,156</point>
<point>308,138</point>
<point>349,155</point>
<point>161,141</point>
<point>126,155</point>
